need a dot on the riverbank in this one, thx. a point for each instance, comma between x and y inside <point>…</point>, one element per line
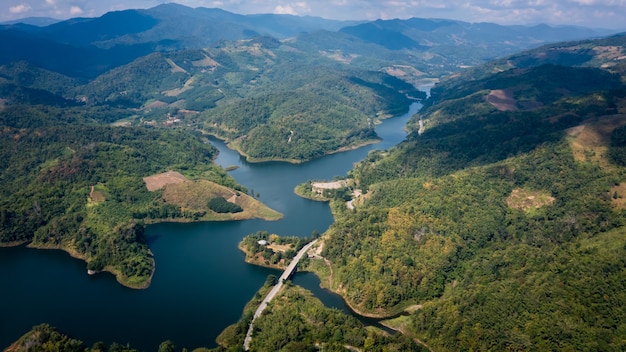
<point>255,259</point>
<point>12,244</point>
<point>234,145</point>
<point>130,282</point>
<point>322,268</point>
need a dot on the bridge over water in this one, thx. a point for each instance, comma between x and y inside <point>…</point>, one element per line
<point>286,274</point>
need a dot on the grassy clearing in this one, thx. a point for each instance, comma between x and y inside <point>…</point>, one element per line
<point>194,195</point>
<point>527,200</point>
<point>590,142</point>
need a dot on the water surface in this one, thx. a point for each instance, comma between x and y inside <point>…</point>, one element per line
<point>201,282</point>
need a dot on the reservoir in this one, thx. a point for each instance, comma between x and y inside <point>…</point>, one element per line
<point>201,282</point>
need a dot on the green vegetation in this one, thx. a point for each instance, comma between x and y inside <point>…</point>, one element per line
<point>497,228</point>
<point>71,184</point>
<point>499,222</point>
<point>221,205</point>
<point>297,321</point>
<point>277,251</point>
<point>268,100</point>
<point>44,338</point>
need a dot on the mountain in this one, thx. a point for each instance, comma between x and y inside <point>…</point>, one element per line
<point>438,47</point>
<point>417,49</point>
<point>418,33</point>
<point>33,21</point>
<point>501,217</point>
<point>269,100</point>
<point>497,225</point>
<point>87,47</point>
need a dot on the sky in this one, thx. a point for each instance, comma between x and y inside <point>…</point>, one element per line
<point>610,14</point>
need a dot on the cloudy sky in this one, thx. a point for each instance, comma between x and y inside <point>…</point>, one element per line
<point>590,13</point>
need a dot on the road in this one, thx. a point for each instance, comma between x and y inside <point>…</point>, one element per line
<point>286,274</point>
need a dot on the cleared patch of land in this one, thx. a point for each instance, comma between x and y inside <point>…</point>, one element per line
<point>320,186</point>
<point>156,182</point>
<point>590,141</point>
<point>206,62</point>
<point>194,195</point>
<point>96,196</point>
<point>524,199</point>
<point>617,194</point>
<point>175,67</point>
<point>502,99</point>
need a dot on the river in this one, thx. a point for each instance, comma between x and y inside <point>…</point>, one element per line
<point>201,282</point>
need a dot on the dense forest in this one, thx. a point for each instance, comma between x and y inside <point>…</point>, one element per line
<point>502,220</point>
<point>272,103</point>
<point>75,153</point>
<point>71,183</point>
<point>498,224</point>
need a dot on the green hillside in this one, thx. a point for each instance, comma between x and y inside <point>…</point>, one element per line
<point>501,225</point>
<point>497,225</point>
<point>69,183</point>
<point>268,100</point>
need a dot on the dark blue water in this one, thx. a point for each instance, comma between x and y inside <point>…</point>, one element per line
<point>201,282</point>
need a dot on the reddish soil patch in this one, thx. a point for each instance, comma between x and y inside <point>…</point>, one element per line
<point>159,181</point>
<point>502,99</point>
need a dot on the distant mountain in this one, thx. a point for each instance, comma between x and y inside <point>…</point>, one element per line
<point>416,48</point>
<point>416,33</point>
<point>605,53</point>
<point>33,21</point>
<point>185,27</point>
<point>87,47</point>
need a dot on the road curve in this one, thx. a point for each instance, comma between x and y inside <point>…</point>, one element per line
<point>286,274</point>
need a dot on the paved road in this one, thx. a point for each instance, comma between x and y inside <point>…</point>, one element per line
<point>286,274</point>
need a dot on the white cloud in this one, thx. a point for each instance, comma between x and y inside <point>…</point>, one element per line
<point>19,9</point>
<point>51,2</point>
<point>75,10</point>
<point>296,8</point>
<point>285,10</point>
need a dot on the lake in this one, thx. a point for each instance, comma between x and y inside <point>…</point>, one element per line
<point>201,282</point>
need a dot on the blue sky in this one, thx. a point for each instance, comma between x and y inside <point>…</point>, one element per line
<point>590,13</point>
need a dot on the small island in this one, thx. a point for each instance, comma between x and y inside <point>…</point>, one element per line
<point>270,250</point>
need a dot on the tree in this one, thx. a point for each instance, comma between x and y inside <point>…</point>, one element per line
<point>167,346</point>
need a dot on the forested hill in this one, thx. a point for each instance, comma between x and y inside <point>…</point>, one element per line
<point>498,224</point>
<point>269,99</point>
<point>70,181</point>
<point>504,219</point>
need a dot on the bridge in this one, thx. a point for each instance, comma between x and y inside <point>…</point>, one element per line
<point>284,277</point>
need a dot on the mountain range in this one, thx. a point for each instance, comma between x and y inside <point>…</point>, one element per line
<point>95,45</point>
<point>498,224</point>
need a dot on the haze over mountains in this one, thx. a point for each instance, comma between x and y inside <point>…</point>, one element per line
<point>87,47</point>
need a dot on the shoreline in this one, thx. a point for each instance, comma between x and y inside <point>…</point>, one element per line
<point>144,284</point>
<point>13,244</point>
<point>108,269</point>
<point>353,309</point>
<point>232,145</point>
<point>263,265</point>
<point>380,316</point>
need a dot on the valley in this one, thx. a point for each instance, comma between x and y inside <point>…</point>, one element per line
<point>489,213</point>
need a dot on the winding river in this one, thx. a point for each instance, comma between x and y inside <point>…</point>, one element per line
<point>201,282</point>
